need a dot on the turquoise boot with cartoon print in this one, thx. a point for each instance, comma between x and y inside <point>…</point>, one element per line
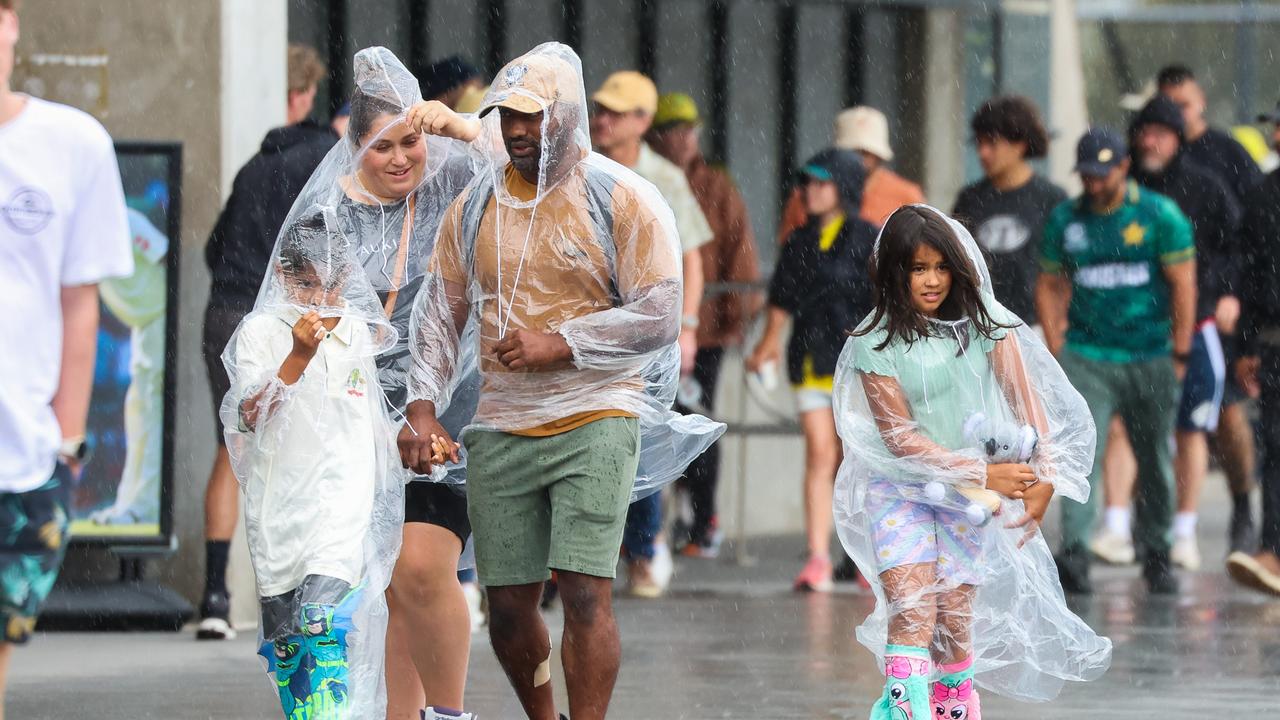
<point>330,681</point>
<point>906,685</point>
<point>954,694</point>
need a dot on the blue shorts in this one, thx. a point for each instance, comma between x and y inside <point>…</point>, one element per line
<point>1205,383</point>
<point>33,540</point>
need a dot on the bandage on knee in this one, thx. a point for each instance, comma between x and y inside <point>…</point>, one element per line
<point>542,673</point>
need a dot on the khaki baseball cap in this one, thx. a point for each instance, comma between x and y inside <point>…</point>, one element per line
<point>864,128</point>
<point>531,83</point>
<point>628,91</point>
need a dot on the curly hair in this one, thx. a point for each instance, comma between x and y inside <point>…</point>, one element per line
<point>1014,118</point>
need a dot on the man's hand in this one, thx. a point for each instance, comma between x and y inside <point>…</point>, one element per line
<point>1036,501</point>
<point>688,350</point>
<point>435,118</point>
<point>1227,314</point>
<point>526,349</point>
<point>423,438</point>
<point>1247,375</point>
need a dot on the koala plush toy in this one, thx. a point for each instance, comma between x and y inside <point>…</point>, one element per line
<point>999,441</point>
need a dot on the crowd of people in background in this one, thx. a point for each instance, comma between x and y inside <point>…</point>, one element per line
<point>1154,289</point>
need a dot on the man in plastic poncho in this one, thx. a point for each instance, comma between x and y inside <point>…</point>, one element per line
<point>572,268</point>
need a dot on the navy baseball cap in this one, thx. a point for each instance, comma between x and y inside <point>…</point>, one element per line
<point>1099,151</point>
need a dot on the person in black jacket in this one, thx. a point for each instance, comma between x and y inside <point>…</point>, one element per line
<point>1258,370</point>
<point>1209,147</point>
<point>237,253</point>
<point>1161,163</point>
<point>822,285</point>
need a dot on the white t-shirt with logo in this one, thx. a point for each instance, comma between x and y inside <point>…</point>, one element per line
<point>62,223</point>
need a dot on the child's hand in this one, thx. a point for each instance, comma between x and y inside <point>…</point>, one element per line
<point>308,332</point>
<point>442,449</point>
<point>1036,500</point>
<point>1010,479</point>
<point>435,118</point>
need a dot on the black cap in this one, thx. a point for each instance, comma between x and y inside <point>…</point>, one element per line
<point>1161,111</point>
<point>444,75</point>
<point>1270,117</point>
<point>1099,151</point>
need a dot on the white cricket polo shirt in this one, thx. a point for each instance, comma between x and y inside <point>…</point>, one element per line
<point>309,470</point>
<point>62,223</point>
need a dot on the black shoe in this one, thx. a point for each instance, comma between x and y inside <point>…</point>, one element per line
<point>215,617</point>
<point>1241,535</point>
<point>846,571</point>
<point>1073,571</point>
<point>1157,570</point>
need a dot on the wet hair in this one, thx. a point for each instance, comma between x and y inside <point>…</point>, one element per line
<point>365,111</point>
<point>1173,76</point>
<point>10,5</point>
<point>907,229</point>
<point>308,247</point>
<point>1014,118</point>
<point>305,69</point>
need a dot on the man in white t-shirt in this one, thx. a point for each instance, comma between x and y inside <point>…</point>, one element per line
<point>62,230</point>
<point>622,113</point>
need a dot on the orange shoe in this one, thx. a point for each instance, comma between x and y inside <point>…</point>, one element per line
<point>816,575</point>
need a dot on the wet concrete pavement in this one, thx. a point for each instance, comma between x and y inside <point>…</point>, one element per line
<point>733,642</point>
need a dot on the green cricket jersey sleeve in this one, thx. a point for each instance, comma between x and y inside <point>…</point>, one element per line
<point>1051,256</point>
<point>1176,241</point>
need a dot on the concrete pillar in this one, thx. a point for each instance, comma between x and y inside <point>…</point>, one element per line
<point>945,122</point>
<point>1068,111</point>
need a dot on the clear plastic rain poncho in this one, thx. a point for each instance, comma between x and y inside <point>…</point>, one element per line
<point>919,423</point>
<point>317,463</point>
<point>389,189</point>
<point>586,249</point>
<point>317,459</point>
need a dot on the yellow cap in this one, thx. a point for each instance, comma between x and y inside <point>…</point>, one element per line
<point>531,83</point>
<point>676,108</point>
<point>471,99</point>
<point>628,91</point>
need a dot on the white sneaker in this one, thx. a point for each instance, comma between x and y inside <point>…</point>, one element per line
<point>475,606</point>
<point>431,714</point>
<point>215,628</point>
<point>662,567</point>
<point>1113,548</point>
<point>1185,553</point>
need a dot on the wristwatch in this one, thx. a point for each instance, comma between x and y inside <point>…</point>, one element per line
<point>1182,357</point>
<point>689,322</point>
<point>73,449</point>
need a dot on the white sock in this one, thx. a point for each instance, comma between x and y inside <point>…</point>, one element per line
<point>1117,520</point>
<point>1184,525</point>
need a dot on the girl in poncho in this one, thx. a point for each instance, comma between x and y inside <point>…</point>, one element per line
<point>958,428</point>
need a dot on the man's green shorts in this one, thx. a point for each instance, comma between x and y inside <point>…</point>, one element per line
<point>557,502</point>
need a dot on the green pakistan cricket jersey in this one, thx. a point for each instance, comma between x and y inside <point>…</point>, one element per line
<point>1119,308</point>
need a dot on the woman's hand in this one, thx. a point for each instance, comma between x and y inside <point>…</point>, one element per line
<point>1010,479</point>
<point>435,118</point>
<point>766,352</point>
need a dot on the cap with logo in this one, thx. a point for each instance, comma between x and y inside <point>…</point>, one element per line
<point>676,109</point>
<point>628,91</point>
<point>1099,151</point>
<point>531,83</point>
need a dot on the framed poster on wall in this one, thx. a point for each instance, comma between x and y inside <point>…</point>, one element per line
<point>125,494</point>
